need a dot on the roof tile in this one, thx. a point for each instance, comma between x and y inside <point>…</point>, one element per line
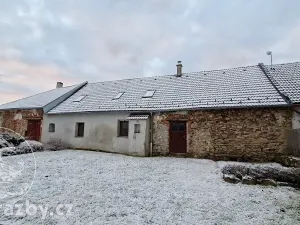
<point>237,87</point>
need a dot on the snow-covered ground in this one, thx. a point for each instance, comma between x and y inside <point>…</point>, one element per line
<point>115,189</point>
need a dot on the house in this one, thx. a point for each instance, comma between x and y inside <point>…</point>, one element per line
<point>238,113</point>
<point>25,116</point>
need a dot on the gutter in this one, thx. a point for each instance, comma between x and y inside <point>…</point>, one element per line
<point>178,109</point>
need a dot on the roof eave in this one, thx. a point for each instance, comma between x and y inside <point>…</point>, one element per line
<point>21,108</point>
<point>181,109</point>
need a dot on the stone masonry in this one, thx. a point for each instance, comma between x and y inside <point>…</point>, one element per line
<point>17,120</point>
<point>229,134</point>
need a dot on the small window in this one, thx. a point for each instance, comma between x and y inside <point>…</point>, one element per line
<point>52,127</point>
<point>79,130</point>
<point>119,95</point>
<point>174,127</point>
<point>178,126</point>
<point>79,98</point>
<point>123,128</point>
<point>149,94</point>
<point>137,128</point>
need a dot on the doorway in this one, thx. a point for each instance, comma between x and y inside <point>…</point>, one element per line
<point>177,137</point>
<point>34,130</point>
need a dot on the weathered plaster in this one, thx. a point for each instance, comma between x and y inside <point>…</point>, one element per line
<point>100,132</point>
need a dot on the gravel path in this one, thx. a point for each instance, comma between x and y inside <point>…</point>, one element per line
<point>115,189</point>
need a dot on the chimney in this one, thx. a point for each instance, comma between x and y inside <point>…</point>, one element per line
<point>179,69</point>
<point>59,85</point>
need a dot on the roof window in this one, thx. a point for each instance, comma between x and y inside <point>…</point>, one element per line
<point>119,95</point>
<point>149,94</point>
<point>79,98</point>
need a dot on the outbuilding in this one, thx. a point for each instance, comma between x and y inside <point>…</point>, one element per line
<point>25,116</point>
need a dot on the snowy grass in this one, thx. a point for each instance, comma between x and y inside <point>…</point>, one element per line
<point>116,189</point>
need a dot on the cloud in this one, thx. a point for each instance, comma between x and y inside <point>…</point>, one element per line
<point>22,79</point>
<point>288,48</point>
<point>73,40</point>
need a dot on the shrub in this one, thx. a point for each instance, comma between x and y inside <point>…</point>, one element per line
<point>12,138</point>
<point>29,146</point>
<point>56,144</point>
<point>8,151</point>
<point>4,143</point>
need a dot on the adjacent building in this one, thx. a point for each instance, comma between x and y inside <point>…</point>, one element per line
<point>25,116</point>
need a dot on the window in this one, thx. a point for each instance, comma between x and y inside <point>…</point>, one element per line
<point>178,126</point>
<point>51,127</point>
<point>149,94</point>
<point>79,132</point>
<point>123,128</point>
<point>118,95</point>
<point>79,98</point>
<point>137,128</point>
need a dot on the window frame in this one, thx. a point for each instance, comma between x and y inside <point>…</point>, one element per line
<point>120,128</point>
<point>137,128</point>
<point>118,96</point>
<point>80,98</point>
<point>149,94</point>
<point>77,129</point>
<point>51,128</point>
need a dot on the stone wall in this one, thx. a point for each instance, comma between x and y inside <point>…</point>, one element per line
<point>229,134</point>
<point>16,120</point>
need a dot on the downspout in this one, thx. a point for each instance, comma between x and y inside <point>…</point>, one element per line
<point>151,134</point>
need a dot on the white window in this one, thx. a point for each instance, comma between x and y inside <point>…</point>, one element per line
<point>137,128</point>
<point>149,94</point>
<point>79,98</point>
<point>51,128</point>
<point>123,128</point>
<point>118,95</point>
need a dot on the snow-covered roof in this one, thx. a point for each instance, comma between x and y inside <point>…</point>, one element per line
<point>287,78</point>
<point>235,87</point>
<point>43,100</point>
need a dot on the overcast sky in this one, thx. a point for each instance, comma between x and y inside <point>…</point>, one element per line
<point>45,41</point>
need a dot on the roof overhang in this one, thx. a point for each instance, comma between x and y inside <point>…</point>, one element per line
<point>137,117</point>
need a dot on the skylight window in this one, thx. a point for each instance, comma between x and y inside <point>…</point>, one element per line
<point>119,95</point>
<point>79,98</point>
<point>149,94</point>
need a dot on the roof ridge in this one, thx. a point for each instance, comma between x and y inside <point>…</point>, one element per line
<point>165,75</point>
<point>279,64</point>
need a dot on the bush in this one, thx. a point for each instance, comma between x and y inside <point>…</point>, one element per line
<point>56,144</point>
<point>8,151</point>
<point>29,146</point>
<point>12,138</point>
<point>4,143</point>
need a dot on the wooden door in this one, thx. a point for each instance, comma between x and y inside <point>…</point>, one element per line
<point>177,137</point>
<point>34,130</point>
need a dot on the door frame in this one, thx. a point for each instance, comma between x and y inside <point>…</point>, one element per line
<point>40,128</point>
<point>186,133</point>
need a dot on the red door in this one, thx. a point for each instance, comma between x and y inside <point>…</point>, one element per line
<point>33,130</point>
<point>177,137</point>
